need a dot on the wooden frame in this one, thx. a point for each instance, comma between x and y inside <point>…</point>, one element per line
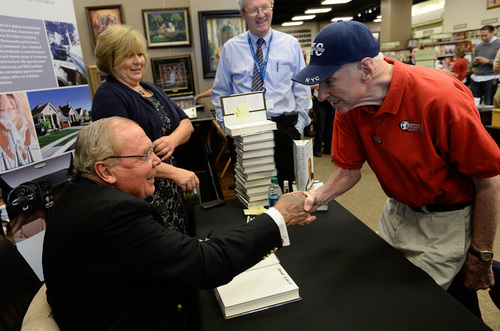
<point>217,27</point>
<point>490,4</point>
<point>174,74</point>
<point>100,17</point>
<point>167,27</point>
<point>96,77</point>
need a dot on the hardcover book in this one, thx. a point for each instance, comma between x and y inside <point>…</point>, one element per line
<point>263,286</point>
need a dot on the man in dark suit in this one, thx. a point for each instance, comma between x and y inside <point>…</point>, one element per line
<point>110,264</point>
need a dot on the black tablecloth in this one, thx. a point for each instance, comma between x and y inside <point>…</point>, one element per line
<point>349,279</point>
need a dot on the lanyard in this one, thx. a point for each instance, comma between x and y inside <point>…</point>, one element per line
<point>262,71</point>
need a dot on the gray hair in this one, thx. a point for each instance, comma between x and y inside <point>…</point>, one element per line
<point>241,4</point>
<point>96,142</point>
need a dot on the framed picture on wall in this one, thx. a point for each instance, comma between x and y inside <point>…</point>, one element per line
<point>167,27</point>
<point>174,74</point>
<point>492,4</point>
<point>217,27</point>
<point>99,18</point>
<point>96,77</point>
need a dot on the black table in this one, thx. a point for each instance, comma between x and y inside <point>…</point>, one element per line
<point>349,279</point>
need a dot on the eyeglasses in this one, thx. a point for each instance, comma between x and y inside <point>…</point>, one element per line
<point>255,11</point>
<point>143,158</point>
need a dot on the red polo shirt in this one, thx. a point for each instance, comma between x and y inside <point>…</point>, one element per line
<point>424,142</point>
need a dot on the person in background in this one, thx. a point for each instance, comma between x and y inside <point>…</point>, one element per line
<point>496,69</point>
<point>208,93</point>
<point>323,126</point>
<point>109,261</point>
<point>413,56</point>
<point>484,77</point>
<point>459,69</point>
<point>287,103</point>
<point>443,185</point>
<point>120,53</point>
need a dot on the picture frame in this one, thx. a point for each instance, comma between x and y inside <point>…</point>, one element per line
<point>174,74</point>
<point>99,18</point>
<point>96,77</point>
<point>167,27</point>
<point>216,28</point>
<point>490,4</point>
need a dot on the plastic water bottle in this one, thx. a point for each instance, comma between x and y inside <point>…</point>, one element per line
<point>274,192</point>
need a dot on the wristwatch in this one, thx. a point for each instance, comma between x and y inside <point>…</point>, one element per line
<point>486,256</point>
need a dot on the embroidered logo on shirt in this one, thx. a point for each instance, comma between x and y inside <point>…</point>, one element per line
<point>411,127</point>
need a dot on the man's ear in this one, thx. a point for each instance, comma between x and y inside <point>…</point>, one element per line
<point>104,172</point>
<point>367,66</point>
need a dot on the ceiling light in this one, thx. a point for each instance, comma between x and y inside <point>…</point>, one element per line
<point>347,18</point>
<point>292,23</point>
<point>377,20</point>
<point>318,10</point>
<point>303,17</point>
<point>334,2</point>
<point>379,16</point>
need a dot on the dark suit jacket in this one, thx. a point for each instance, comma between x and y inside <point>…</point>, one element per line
<point>110,264</point>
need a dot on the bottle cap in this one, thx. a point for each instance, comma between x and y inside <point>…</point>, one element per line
<point>274,180</point>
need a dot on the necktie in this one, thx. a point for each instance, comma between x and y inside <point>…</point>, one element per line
<point>257,82</point>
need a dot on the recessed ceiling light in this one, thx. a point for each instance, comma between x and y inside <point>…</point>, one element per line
<point>377,20</point>
<point>318,10</point>
<point>379,16</point>
<point>303,17</point>
<point>347,18</point>
<point>292,23</point>
<point>334,2</point>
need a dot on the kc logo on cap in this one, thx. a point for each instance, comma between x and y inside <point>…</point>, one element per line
<point>335,45</point>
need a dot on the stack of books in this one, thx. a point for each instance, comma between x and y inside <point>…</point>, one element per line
<point>254,167</point>
<point>246,121</point>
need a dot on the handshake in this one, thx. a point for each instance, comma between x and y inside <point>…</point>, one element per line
<point>296,207</point>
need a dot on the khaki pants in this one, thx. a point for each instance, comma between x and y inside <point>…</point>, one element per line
<point>435,242</point>
<point>496,99</point>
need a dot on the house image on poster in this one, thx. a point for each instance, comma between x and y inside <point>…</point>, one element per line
<point>59,117</point>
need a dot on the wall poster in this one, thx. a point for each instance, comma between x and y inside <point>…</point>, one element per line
<point>44,102</point>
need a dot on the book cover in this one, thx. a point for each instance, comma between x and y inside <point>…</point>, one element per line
<point>257,289</point>
<point>251,197</point>
<point>256,160</point>
<point>247,204</point>
<point>256,168</point>
<point>252,127</point>
<point>253,182</point>
<point>303,163</point>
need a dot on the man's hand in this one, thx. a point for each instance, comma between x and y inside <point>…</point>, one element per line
<point>291,206</point>
<point>477,274</point>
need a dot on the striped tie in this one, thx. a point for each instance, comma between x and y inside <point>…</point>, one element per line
<point>257,82</point>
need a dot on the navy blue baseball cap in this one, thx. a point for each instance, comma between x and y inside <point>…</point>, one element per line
<point>337,44</point>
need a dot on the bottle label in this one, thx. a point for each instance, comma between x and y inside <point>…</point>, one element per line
<point>273,200</point>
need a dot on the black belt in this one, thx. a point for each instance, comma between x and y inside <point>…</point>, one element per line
<point>286,119</point>
<point>439,207</point>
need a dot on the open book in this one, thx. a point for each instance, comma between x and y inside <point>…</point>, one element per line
<point>263,286</point>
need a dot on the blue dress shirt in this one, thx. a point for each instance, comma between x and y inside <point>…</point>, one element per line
<point>235,72</point>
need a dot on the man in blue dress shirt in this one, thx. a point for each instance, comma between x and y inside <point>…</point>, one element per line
<point>288,103</point>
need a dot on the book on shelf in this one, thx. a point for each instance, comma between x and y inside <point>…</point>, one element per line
<point>265,285</point>
<point>303,163</point>
<point>256,168</point>
<point>254,137</point>
<point>245,114</point>
<point>255,175</point>
<point>256,160</point>
<point>254,153</point>
<point>255,145</point>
